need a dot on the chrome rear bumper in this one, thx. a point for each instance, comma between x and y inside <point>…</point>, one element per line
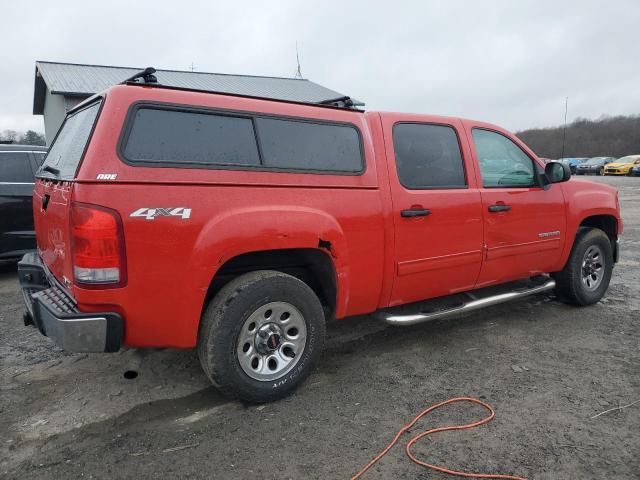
<point>56,315</point>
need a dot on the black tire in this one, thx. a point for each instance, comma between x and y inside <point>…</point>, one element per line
<point>570,287</point>
<point>601,172</point>
<point>224,318</point>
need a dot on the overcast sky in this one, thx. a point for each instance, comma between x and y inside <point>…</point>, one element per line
<point>506,62</point>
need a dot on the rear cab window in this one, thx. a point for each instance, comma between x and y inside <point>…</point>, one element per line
<point>66,152</point>
<point>428,156</point>
<point>166,136</point>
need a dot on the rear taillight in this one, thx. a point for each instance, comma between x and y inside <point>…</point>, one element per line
<point>97,246</point>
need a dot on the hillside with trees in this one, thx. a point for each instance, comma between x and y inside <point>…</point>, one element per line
<point>606,136</point>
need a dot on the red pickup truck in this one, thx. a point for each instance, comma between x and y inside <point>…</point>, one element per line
<point>238,225</point>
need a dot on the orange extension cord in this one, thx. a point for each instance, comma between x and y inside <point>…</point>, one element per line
<point>416,438</point>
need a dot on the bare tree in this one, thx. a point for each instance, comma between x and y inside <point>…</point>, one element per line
<point>606,136</point>
<point>9,135</point>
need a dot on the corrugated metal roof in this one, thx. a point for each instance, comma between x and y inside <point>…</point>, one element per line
<point>85,80</point>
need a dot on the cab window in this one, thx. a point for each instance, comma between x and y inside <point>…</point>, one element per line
<point>502,162</point>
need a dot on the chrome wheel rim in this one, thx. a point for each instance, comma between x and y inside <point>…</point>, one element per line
<point>592,267</point>
<point>271,341</point>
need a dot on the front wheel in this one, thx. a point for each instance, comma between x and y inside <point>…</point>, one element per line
<point>586,276</point>
<point>260,336</point>
<point>601,171</point>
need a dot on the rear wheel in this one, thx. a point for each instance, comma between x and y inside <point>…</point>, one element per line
<point>260,336</point>
<point>586,276</point>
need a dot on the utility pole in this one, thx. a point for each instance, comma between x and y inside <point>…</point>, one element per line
<point>299,69</point>
<point>564,130</point>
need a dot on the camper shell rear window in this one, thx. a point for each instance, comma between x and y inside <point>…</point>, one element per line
<point>70,143</point>
<point>186,137</point>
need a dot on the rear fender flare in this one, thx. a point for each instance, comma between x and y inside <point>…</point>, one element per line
<point>274,227</point>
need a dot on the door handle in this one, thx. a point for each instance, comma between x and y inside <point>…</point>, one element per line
<point>415,212</point>
<point>499,207</point>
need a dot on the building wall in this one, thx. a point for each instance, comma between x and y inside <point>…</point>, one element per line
<point>54,112</point>
<point>70,102</point>
<point>55,109</point>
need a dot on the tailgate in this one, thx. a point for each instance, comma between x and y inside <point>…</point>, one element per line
<point>51,210</point>
<point>54,186</point>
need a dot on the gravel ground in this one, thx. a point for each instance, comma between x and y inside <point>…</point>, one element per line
<point>547,368</point>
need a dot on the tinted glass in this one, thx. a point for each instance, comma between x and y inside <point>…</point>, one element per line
<point>39,156</point>
<point>428,156</point>
<point>301,145</point>
<point>66,152</point>
<point>15,168</point>
<point>502,162</point>
<point>174,136</point>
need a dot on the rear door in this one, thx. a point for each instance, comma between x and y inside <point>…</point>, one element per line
<point>436,209</point>
<point>524,224</point>
<point>16,218</point>
<point>53,190</point>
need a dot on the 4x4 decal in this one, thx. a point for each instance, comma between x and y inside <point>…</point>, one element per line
<point>151,213</point>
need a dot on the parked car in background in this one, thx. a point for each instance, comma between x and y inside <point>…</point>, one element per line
<point>594,166</point>
<point>573,162</point>
<point>622,166</point>
<point>635,171</point>
<point>18,164</point>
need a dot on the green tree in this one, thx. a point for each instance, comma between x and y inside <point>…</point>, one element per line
<point>32,138</point>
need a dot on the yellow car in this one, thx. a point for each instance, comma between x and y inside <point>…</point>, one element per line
<point>622,166</point>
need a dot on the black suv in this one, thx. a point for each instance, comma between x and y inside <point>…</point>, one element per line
<point>18,164</point>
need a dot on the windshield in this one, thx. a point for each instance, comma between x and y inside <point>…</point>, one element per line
<point>629,159</point>
<point>65,154</point>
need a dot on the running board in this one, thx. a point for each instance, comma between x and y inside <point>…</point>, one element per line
<point>474,304</point>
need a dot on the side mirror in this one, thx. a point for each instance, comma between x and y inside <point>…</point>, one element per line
<point>557,172</point>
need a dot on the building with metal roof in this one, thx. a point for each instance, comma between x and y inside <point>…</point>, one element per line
<point>61,86</point>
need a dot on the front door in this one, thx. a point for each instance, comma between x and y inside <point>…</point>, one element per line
<point>524,224</point>
<point>436,210</point>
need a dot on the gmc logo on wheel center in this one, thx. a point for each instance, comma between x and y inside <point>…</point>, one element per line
<point>151,213</point>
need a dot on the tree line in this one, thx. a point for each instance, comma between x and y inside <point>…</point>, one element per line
<point>605,137</point>
<point>27,138</point>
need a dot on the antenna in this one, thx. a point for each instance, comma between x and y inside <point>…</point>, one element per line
<point>299,69</point>
<point>192,67</point>
<point>564,130</point>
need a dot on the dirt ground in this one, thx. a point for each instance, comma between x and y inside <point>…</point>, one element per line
<point>547,368</point>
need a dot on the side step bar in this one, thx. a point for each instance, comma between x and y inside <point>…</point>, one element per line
<point>474,304</point>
